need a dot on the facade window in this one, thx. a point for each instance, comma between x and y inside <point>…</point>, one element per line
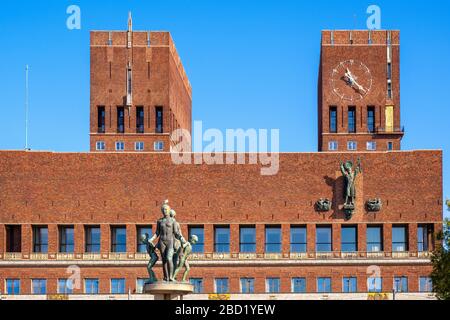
<point>12,286</point>
<point>39,286</point>
<point>199,247</point>
<point>100,145</point>
<point>389,90</point>
<point>92,239</point>
<point>323,285</point>
<point>140,283</point>
<point>158,145</point>
<point>140,119</point>
<point>65,286</point>
<point>222,239</point>
<point>198,284</point>
<point>332,145</point>
<point>399,239</point>
<point>221,285</point>
<point>66,239</point>
<point>298,239</point>
<point>425,284</point>
<point>120,146</point>
<point>352,145</point>
<point>371,119</point>
<point>142,230</point>
<point>118,286</point>
<point>247,239</point>
<point>423,232</point>
<point>159,119</point>
<point>401,284</point>
<point>101,119</point>
<point>349,238</point>
<point>389,70</point>
<point>349,284</point>
<point>139,146</point>
<point>374,239</point>
<point>390,146</point>
<point>118,239</point>
<point>273,239</point>
<point>374,284</point>
<point>13,238</point>
<point>247,285</point>
<point>120,120</point>
<point>323,239</point>
<point>298,285</point>
<point>40,239</point>
<point>333,119</point>
<point>91,286</point>
<point>273,285</point>
<point>371,146</point>
<point>351,119</point>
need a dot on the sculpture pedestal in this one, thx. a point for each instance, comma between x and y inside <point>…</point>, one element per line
<point>168,290</point>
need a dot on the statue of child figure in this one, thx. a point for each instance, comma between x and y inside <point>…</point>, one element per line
<point>145,239</point>
<point>187,249</point>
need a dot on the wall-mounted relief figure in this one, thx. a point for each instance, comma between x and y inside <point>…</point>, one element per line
<point>350,175</point>
<point>323,205</point>
<point>374,205</point>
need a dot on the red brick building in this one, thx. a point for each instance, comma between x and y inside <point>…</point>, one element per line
<point>79,215</point>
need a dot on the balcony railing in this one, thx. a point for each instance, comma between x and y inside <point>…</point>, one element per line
<point>389,130</point>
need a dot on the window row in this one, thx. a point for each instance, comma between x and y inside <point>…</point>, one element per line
<point>221,285</point>
<point>138,146</point>
<point>101,117</point>
<point>247,238</point>
<point>352,119</point>
<point>353,146</point>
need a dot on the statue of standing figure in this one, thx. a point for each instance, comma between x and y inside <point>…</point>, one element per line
<point>153,257</point>
<point>350,185</point>
<point>186,251</point>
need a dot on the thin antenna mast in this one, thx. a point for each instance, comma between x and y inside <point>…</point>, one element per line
<point>26,107</point>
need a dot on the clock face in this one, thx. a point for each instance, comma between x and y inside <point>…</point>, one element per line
<point>351,80</point>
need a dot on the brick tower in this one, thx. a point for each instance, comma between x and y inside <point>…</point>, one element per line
<point>359,91</point>
<point>139,91</point>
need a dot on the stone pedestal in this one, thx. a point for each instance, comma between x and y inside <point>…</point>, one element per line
<point>168,290</point>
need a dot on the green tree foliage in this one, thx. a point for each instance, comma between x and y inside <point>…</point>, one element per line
<point>441,264</point>
<point>447,202</point>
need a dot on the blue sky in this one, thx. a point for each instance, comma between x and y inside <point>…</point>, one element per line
<point>252,64</point>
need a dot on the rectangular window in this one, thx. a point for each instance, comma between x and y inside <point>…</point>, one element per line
<point>120,146</point>
<point>298,239</point>
<point>323,285</point>
<point>273,285</point>
<point>371,119</point>
<point>120,120</point>
<point>92,239</point>
<point>100,145</point>
<point>399,239</point>
<point>349,284</point>
<point>199,247</point>
<point>247,239</point>
<point>222,239</point>
<point>91,286</point>
<point>323,239</point>
<point>332,145</point>
<point>39,286</point>
<point>198,284</point>
<point>101,119</point>
<point>118,239</point>
<point>333,119</point>
<point>142,230</point>
<point>65,286</point>
<point>374,284</point>
<point>390,146</point>
<point>159,119</point>
<point>351,119</point>
<point>13,238</point>
<point>12,286</point>
<point>66,239</point>
<point>374,239</point>
<point>140,119</point>
<point>273,239</point>
<point>247,285</point>
<point>423,232</point>
<point>371,146</point>
<point>118,286</point>
<point>401,284</point>
<point>158,146</point>
<point>140,283</point>
<point>352,145</point>
<point>389,90</point>
<point>425,284</point>
<point>40,239</point>
<point>349,238</point>
<point>221,285</point>
<point>389,70</point>
<point>298,285</point>
<point>139,146</point>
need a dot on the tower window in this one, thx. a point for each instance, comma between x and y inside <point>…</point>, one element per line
<point>140,119</point>
<point>371,119</point>
<point>66,239</point>
<point>101,119</point>
<point>158,146</point>
<point>389,90</point>
<point>40,239</point>
<point>390,146</point>
<point>333,119</point>
<point>352,145</point>
<point>351,119</point>
<point>159,119</point>
<point>100,145</point>
<point>139,146</point>
<point>120,146</point>
<point>371,145</point>
<point>389,70</point>
<point>332,145</point>
<point>120,120</point>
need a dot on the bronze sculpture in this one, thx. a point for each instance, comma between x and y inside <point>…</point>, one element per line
<point>153,258</point>
<point>187,249</point>
<point>350,175</point>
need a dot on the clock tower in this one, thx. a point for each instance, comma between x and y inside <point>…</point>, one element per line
<point>359,91</point>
